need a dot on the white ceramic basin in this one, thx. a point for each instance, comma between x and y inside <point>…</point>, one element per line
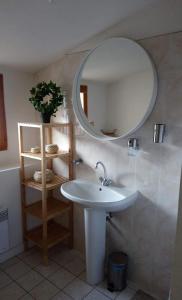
<point>93,195</point>
<point>97,200</point>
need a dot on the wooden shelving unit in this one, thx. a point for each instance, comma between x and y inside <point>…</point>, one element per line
<point>38,156</point>
<point>48,208</point>
<point>56,182</point>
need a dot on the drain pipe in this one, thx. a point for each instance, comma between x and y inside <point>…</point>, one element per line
<point>109,216</point>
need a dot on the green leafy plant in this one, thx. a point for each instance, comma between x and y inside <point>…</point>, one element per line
<point>46,97</point>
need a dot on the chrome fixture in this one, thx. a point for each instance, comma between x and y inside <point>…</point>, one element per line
<point>159,131</point>
<point>133,144</point>
<point>103,180</point>
<point>78,161</point>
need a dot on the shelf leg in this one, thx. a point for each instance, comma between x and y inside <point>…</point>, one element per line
<point>23,192</point>
<point>44,195</point>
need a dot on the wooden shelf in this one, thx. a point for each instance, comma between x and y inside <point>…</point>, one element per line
<point>39,125</point>
<point>49,233</point>
<point>55,208</point>
<point>56,182</point>
<point>55,234</point>
<point>38,156</point>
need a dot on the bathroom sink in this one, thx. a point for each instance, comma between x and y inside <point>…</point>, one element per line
<point>93,195</point>
<point>97,200</point>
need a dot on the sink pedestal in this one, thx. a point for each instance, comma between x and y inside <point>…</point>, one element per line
<point>97,201</point>
<point>95,237</point>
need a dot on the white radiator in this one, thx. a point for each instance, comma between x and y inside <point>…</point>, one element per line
<point>4,231</point>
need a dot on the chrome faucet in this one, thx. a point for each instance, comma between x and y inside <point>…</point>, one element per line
<point>103,180</point>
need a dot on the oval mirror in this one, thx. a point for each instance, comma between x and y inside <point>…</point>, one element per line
<point>114,89</point>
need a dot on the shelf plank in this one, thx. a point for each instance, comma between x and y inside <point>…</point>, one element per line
<point>56,182</point>
<point>55,208</point>
<point>38,125</point>
<point>38,156</point>
<point>55,234</point>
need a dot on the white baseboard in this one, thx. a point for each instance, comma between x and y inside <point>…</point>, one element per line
<point>10,253</point>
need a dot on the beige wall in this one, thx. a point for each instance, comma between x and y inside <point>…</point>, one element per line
<point>146,231</point>
<point>176,291</point>
<point>17,107</point>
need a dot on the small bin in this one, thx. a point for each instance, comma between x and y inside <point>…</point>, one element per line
<point>117,271</point>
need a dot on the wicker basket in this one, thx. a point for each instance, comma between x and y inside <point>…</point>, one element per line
<point>38,176</point>
<point>35,150</point>
<point>51,148</point>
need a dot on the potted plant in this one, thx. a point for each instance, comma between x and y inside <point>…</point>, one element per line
<point>46,98</point>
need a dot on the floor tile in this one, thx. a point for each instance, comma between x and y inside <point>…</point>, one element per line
<point>33,259</point>
<point>77,289</point>
<point>4,279</point>
<point>102,287</point>
<point>8,263</point>
<point>17,270</point>
<point>61,296</point>
<point>140,295</point>
<point>57,249</point>
<point>44,291</point>
<point>126,294</point>
<point>11,291</point>
<point>26,297</point>
<point>28,252</point>
<point>65,256</point>
<point>96,295</point>
<point>76,266</point>
<point>30,280</point>
<point>47,270</point>
<point>83,276</point>
<point>61,278</point>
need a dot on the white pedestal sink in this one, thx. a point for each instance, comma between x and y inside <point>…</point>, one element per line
<point>97,200</point>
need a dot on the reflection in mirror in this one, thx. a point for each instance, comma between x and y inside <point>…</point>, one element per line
<point>84,98</point>
<point>117,87</point>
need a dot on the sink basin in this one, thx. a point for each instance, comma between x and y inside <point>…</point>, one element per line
<point>93,195</point>
<point>97,201</point>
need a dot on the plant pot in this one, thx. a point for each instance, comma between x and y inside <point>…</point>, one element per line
<point>46,117</point>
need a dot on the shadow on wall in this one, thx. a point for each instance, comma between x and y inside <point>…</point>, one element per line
<point>146,233</point>
<point>115,158</point>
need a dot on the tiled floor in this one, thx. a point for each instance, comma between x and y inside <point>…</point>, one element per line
<point>24,277</point>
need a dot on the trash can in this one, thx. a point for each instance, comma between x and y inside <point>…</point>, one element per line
<point>117,270</point>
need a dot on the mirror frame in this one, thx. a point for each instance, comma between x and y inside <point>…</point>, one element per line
<point>86,126</point>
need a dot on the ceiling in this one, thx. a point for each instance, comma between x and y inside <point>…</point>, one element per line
<point>156,18</point>
<point>35,33</point>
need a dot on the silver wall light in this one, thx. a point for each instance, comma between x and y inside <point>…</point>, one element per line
<point>159,132</point>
